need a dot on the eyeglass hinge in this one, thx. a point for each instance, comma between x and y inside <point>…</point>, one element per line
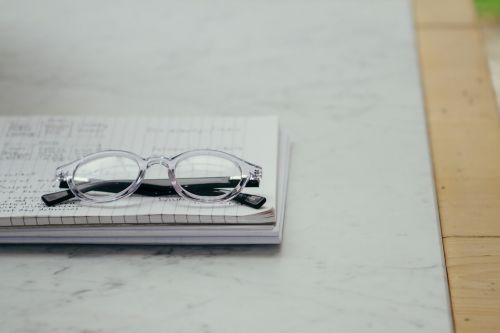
<point>256,173</point>
<point>61,174</point>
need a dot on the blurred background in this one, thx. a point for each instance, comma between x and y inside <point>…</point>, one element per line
<point>489,14</point>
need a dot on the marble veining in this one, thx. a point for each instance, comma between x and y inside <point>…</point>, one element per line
<point>361,250</point>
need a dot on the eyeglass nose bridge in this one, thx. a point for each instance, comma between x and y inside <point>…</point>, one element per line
<point>158,159</point>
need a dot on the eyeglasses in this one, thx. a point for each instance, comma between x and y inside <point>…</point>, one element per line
<point>208,176</point>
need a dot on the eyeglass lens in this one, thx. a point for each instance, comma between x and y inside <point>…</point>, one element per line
<point>95,177</point>
<point>206,166</point>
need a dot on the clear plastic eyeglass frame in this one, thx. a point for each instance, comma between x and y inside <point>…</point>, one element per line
<point>248,172</point>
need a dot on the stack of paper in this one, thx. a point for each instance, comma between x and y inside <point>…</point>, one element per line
<point>32,147</point>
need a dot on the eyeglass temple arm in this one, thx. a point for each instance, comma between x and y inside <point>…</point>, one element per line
<point>165,184</point>
<point>158,187</point>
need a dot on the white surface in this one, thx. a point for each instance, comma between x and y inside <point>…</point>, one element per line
<point>361,249</point>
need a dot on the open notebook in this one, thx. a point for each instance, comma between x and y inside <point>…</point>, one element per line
<point>32,147</point>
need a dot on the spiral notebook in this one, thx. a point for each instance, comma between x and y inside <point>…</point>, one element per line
<point>32,147</point>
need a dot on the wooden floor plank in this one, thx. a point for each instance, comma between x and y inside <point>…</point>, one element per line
<point>444,12</point>
<point>474,278</point>
<point>464,130</point>
<point>464,135</point>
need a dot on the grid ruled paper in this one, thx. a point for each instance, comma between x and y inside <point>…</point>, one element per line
<point>32,147</point>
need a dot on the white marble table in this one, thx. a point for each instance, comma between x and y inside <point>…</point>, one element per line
<point>361,249</point>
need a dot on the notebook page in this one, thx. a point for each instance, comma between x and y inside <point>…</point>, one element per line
<point>32,147</point>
